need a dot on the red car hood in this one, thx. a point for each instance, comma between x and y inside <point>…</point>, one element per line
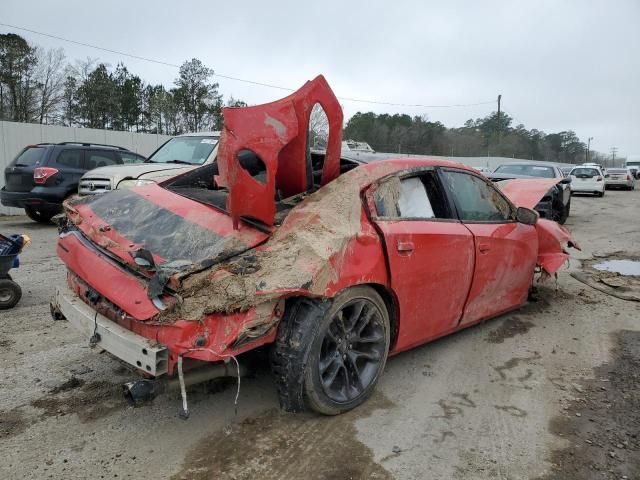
<point>527,193</point>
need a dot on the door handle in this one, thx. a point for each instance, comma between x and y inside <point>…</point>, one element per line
<point>484,247</point>
<point>405,246</point>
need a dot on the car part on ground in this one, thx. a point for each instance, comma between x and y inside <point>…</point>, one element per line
<point>177,155</point>
<point>42,176</point>
<point>328,261</point>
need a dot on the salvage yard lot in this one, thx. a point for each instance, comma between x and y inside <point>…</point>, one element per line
<point>549,391</point>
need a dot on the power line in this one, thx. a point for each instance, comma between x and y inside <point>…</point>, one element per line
<point>238,79</point>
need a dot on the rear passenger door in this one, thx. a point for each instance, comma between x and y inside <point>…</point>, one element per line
<point>505,250</point>
<point>70,164</point>
<point>100,158</point>
<point>430,254</point>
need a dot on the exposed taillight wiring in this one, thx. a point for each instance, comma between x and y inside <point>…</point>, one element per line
<point>42,174</point>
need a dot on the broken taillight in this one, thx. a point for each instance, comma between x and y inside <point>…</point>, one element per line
<point>41,174</point>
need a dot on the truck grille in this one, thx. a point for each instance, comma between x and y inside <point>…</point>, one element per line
<point>91,186</point>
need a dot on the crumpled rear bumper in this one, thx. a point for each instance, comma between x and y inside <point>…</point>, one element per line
<point>212,338</point>
<point>134,349</point>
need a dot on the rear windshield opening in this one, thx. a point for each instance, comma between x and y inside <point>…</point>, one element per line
<point>29,156</point>
<point>199,184</point>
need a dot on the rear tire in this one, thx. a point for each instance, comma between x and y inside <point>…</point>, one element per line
<point>10,293</point>
<point>328,355</point>
<point>40,216</point>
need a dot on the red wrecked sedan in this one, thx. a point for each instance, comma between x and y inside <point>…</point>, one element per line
<point>332,263</point>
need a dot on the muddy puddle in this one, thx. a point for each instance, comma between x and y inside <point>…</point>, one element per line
<point>616,274</point>
<point>278,445</point>
<point>623,267</point>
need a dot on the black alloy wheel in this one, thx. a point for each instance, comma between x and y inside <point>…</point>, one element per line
<point>352,350</point>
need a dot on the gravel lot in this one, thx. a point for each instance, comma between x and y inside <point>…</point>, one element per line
<point>550,391</point>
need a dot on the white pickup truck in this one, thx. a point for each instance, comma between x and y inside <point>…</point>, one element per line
<point>178,155</point>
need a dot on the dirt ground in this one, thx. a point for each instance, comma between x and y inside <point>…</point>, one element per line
<point>551,391</point>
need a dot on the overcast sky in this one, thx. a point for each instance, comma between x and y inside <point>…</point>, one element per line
<point>559,65</point>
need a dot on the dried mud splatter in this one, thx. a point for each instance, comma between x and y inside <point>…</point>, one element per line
<point>278,445</point>
<point>90,401</point>
<point>602,425</point>
<point>295,258</point>
<point>510,328</point>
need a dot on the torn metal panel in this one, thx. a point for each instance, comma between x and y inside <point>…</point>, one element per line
<point>277,133</point>
<point>553,239</point>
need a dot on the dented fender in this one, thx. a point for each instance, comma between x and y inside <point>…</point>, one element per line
<point>553,240</point>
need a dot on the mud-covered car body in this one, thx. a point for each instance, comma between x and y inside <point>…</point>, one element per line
<point>207,265</point>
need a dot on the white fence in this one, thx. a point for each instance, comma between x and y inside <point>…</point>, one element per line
<point>15,136</point>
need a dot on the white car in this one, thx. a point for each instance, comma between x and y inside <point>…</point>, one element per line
<point>587,179</point>
<point>178,155</point>
<point>620,178</point>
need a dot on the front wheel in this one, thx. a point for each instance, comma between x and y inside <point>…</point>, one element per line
<point>329,355</point>
<point>10,293</point>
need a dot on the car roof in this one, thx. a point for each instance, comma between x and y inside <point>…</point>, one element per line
<point>200,134</point>
<point>530,164</point>
<point>84,145</point>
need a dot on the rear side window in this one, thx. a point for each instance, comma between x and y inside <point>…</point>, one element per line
<point>70,158</point>
<point>97,158</point>
<point>416,197</point>
<point>29,156</point>
<point>476,200</point>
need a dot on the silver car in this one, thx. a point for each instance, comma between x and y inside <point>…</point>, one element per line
<point>620,178</point>
<point>178,155</point>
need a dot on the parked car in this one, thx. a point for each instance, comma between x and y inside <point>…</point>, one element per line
<point>178,155</point>
<point>587,180</point>
<point>620,178</point>
<point>42,176</point>
<point>330,262</point>
<point>556,204</point>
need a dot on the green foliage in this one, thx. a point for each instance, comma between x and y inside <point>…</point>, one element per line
<point>480,137</point>
<point>39,87</point>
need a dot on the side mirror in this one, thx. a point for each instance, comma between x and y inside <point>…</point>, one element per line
<point>566,180</point>
<point>526,216</point>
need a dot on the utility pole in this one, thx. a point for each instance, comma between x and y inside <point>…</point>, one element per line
<point>613,156</point>
<point>499,100</point>
<point>588,147</point>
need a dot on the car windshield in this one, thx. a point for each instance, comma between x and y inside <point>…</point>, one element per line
<point>187,150</point>
<point>585,172</point>
<point>530,170</point>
